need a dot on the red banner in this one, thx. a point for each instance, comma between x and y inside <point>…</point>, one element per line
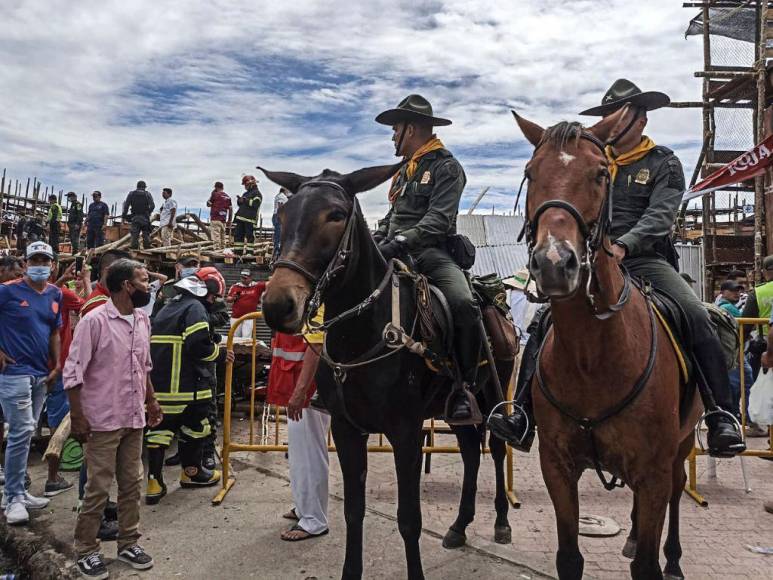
<point>751,164</point>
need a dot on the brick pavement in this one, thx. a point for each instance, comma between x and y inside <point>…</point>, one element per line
<point>713,538</point>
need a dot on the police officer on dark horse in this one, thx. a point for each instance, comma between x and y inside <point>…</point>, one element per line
<point>648,183</point>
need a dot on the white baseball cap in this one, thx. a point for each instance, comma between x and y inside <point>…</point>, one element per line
<point>246,273</point>
<point>43,248</point>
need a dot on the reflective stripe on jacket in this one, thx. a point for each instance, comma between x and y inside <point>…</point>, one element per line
<point>288,352</point>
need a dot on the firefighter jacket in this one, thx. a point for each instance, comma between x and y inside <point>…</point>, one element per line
<point>249,205</point>
<point>182,350</point>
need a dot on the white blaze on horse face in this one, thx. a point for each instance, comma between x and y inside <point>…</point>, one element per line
<point>565,158</point>
<point>552,254</point>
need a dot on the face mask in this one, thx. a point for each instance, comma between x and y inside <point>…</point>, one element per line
<point>185,272</point>
<point>139,298</point>
<point>39,273</point>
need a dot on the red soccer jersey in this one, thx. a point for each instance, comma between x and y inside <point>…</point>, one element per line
<point>71,303</point>
<point>220,202</point>
<point>247,298</point>
<point>98,297</point>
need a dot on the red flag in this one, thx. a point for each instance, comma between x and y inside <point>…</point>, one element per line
<point>746,166</point>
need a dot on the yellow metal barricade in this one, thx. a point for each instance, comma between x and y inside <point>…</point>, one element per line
<point>229,447</point>
<point>692,473</point>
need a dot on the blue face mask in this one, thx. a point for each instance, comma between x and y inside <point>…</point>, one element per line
<point>39,273</point>
<point>185,272</point>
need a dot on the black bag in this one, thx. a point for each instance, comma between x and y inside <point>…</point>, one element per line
<point>461,250</point>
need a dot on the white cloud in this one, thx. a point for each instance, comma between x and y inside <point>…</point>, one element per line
<point>99,94</point>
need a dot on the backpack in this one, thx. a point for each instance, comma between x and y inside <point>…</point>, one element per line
<point>727,330</point>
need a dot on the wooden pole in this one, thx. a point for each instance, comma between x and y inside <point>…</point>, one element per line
<point>759,121</point>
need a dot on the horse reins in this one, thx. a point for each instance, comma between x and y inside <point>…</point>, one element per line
<point>594,237</point>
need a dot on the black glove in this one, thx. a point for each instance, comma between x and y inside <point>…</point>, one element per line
<point>378,237</point>
<point>391,249</point>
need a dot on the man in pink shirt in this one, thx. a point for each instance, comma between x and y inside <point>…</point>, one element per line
<point>108,384</point>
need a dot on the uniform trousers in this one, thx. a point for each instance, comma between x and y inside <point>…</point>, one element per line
<point>309,467</point>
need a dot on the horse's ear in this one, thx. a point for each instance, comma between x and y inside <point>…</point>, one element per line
<point>368,178</point>
<point>531,131</point>
<point>611,126</point>
<point>290,181</point>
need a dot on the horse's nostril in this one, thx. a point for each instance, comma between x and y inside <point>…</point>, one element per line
<point>572,264</point>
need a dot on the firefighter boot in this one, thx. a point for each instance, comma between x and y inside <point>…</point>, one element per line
<point>193,473</point>
<point>156,488</point>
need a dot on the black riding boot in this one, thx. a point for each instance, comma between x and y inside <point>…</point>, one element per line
<point>517,429</point>
<point>461,406</point>
<point>724,436</point>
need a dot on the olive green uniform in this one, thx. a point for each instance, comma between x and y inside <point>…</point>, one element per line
<point>425,214</point>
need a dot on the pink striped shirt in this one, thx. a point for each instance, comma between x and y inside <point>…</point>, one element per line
<point>110,357</point>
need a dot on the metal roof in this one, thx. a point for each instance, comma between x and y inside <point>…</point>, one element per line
<point>494,237</point>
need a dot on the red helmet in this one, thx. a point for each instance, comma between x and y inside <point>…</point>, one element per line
<point>248,179</point>
<point>213,279</point>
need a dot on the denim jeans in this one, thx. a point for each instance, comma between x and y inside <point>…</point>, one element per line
<point>735,388</point>
<point>22,400</point>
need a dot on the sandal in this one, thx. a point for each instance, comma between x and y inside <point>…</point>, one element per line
<point>303,536</point>
<point>291,515</point>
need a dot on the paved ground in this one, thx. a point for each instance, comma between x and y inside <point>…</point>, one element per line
<point>191,539</point>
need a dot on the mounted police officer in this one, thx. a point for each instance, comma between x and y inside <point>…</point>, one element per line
<point>648,184</point>
<point>424,198</point>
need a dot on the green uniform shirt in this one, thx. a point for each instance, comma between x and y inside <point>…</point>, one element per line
<point>425,210</point>
<point>645,201</point>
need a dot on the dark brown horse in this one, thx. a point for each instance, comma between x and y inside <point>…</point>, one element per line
<point>328,255</point>
<point>607,390</point>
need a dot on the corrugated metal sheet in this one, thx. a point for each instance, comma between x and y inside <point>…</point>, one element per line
<point>691,261</point>
<point>502,229</point>
<point>494,239</point>
<point>472,227</point>
<point>502,260</point>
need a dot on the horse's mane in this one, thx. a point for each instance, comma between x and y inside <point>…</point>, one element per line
<point>559,134</point>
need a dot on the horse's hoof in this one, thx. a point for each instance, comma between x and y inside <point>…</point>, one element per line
<point>629,550</point>
<point>453,539</point>
<point>503,535</point>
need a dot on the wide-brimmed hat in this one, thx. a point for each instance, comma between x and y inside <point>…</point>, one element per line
<point>518,280</point>
<point>413,108</point>
<point>624,91</point>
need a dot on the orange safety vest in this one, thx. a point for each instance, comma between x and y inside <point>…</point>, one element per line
<point>287,352</point>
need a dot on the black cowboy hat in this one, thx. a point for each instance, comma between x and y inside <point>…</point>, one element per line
<point>413,108</point>
<point>624,91</point>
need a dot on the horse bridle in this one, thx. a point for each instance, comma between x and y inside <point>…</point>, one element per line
<point>593,236</point>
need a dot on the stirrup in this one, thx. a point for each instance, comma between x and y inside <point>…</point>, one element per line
<point>522,442</point>
<point>723,413</point>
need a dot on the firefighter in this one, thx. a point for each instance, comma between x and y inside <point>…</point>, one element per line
<point>182,349</point>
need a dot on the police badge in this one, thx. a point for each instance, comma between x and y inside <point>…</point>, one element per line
<point>425,178</point>
<point>642,177</point>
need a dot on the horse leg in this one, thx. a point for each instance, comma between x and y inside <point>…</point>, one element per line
<point>629,550</point>
<point>502,532</point>
<point>469,446</point>
<point>673,547</point>
<point>652,497</point>
<point>351,447</point>
<point>407,453</point>
<point>561,482</point>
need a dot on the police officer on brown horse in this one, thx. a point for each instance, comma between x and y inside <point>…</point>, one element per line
<point>424,198</point>
<point>648,184</point>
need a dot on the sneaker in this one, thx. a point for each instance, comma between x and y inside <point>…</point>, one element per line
<point>16,512</point>
<point>136,557</point>
<point>56,487</point>
<point>108,530</point>
<point>93,566</point>
<point>2,475</point>
<point>30,501</point>
<point>754,430</point>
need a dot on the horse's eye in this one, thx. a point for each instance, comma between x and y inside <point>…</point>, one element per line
<point>336,216</point>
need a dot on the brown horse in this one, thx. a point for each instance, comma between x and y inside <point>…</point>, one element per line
<point>607,389</point>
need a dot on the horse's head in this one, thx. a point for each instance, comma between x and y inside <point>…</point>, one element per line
<point>313,222</point>
<point>568,185</point>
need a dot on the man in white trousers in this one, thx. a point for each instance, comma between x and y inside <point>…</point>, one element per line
<point>307,431</point>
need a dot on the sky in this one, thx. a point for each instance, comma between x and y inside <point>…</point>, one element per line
<point>99,94</point>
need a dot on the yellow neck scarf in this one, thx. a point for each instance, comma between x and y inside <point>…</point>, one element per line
<point>413,163</point>
<point>631,156</point>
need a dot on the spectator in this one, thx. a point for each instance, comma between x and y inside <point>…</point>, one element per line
<point>244,296</point>
<point>35,230</point>
<point>20,231</point>
<point>520,307</point>
<point>74,221</point>
<point>107,408</point>
<point>30,318</point>
<point>54,222</point>
<point>11,268</point>
<point>100,294</point>
<point>247,215</point>
<point>279,200</point>
<point>96,221</point>
<point>137,209</point>
<point>184,267</point>
<point>291,383</point>
<point>220,215</point>
<point>155,287</point>
<point>167,221</point>
<point>759,304</point>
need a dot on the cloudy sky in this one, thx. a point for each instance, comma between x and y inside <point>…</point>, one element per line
<point>98,94</point>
